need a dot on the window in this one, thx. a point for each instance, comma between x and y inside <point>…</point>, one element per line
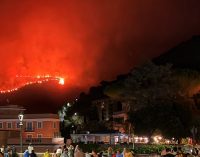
<point>29,136</point>
<point>1,125</point>
<point>118,120</point>
<point>54,125</point>
<point>56,134</point>
<point>39,135</point>
<point>9,125</point>
<point>29,126</point>
<point>39,125</point>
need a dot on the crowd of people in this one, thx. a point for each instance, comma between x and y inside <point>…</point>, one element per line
<point>179,152</point>
<point>77,152</point>
<point>70,151</point>
<point>8,151</point>
<point>65,151</point>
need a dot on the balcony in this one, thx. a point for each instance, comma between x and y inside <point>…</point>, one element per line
<point>29,129</point>
<point>120,114</point>
<point>26,141</point>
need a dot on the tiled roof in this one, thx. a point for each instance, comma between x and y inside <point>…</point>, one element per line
<point>31,116</point>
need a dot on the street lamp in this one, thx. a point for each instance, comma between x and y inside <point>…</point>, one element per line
<point>21,116</point>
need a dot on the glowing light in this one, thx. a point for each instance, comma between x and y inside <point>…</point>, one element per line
<point>157,139</point>
<point>39,79</point>
<point>68,104</point>
<point>62,81</point>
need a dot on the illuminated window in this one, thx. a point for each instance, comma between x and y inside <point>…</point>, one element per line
<point>29,126</point>
<point>54,125</point>
<point>1,125</point>
<point>29,136</point>
<point>56,134</point>
<point>39,125</point>
<point>39,136</point>
<point>9,125</point>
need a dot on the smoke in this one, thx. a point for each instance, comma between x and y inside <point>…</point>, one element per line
<point>88,41</point>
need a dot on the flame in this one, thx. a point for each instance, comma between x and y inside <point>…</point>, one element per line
<point>39,79</point>
<point>62,81</point>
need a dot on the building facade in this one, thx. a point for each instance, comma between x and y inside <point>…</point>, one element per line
<point>112,110</point>
<point>36,129</point>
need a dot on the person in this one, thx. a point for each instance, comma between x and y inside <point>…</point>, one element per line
<point>87,154</point>
<point>123,152</point>
<point>169,153</point>
<point>118,154</point>
<point>127,153</point>
<point>1,154</point>
<point>13,148</point>
<point>54,153</point>
<point>110,151</point>
<point>47,154</point>
<point>174,151</point>
<point>70,149</point>
<point>179,152</point>
<point>14,152</point>
<point>64,153</point>
<point>26,153</point>
<point>114,154</point>
<point>33,154</point>
<point>195,152</point>
<point>100,154</point>
<point>58,152</point>
<point>94,154</point>
<point>2,148</point>
<point>163,152</point>
<point>7,152</point>
<point>78,152</point>
<point>30,148</point>
<point>189,155</point>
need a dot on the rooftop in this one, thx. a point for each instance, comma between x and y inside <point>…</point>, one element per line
<point>31,116</point>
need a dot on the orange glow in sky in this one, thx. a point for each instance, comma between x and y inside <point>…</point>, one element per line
<point>87,41</point>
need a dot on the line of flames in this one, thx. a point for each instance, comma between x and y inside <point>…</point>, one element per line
<point>43,78</point>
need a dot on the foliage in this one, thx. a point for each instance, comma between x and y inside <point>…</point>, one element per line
<point>149,84</point>
<point>159,98</point>
<point>144,86</point>
<point>69,121</point>
<point>139,148</point>
<point>188,81</point>
<point>150,148</point>
<point>159,117</point>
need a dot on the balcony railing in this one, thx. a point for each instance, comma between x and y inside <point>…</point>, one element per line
<point>29,129</point>
<point>15,141</point>
<point>33,140</point>
<point>119,112</point>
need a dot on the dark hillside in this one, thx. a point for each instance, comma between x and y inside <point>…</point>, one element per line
<point>185,55</point>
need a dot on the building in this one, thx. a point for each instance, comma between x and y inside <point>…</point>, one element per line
<point>109,138</point>
<point>112,110</point>
<point>38,129</point>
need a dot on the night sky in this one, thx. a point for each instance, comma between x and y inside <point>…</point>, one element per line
<point>87,41</point>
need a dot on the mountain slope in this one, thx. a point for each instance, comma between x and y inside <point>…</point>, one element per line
<point>185,55</point>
